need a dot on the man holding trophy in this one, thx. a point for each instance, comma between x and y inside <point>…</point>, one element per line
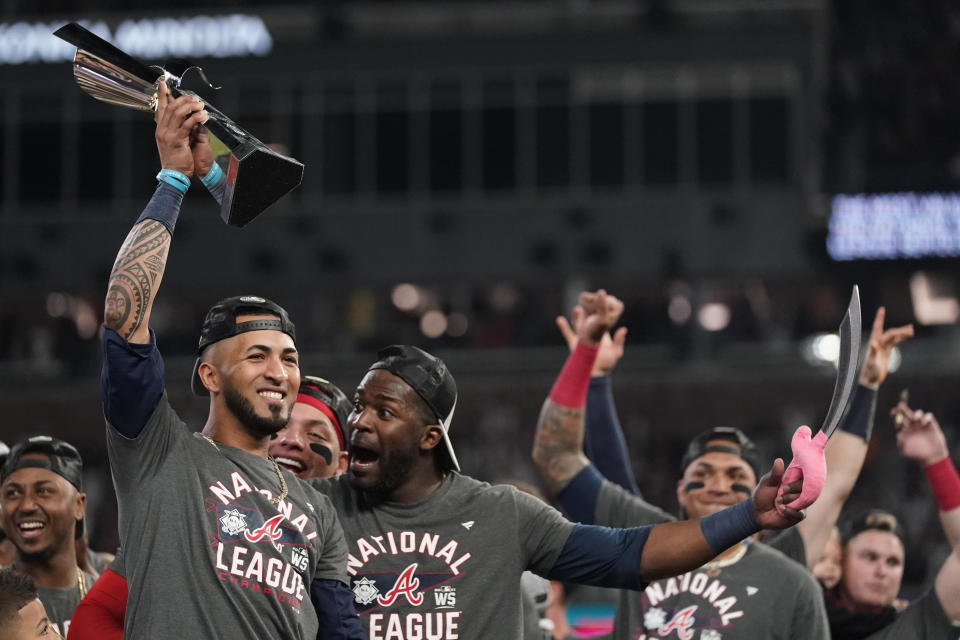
<point>218,540</point>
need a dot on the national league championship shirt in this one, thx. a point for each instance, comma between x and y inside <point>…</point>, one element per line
<point>447,567</point>
<point>206,552</point>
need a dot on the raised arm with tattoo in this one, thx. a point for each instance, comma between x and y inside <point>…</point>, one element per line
<point>140,264</point>
<point>847,448</point>
<point>670,548</point>
<point>603,440</point>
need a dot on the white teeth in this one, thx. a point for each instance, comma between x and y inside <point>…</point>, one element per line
<point>31,525</point>
<point>290,463</point>
<point>272,394</point>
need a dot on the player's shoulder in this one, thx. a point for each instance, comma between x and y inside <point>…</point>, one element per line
<point>332,486</point>
<point>465,487</point>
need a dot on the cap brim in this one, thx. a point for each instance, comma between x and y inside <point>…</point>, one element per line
<point>195,384</point>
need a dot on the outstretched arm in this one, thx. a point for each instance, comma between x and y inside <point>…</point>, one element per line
<point>629,558</point>
<point>847,448</point>
<point>920,438</point>
<point>139,266</point>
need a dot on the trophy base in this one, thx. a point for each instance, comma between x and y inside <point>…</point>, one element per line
<point>256,178</point>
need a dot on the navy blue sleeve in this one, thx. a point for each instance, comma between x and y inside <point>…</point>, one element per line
<point>334,604</point>
<point>860,415</point>
<point>603,557</point>
<point>131,382</point>
<point>579,498</point>
<point>604,443</point>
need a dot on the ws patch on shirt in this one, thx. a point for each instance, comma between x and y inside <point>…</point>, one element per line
<point>693,606</point>
<point>405,585</point>
<point>267,553</point>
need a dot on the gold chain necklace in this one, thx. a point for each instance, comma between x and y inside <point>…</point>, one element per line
<point>283,483</point>
<point>714,566</point>
<point>81,584</point>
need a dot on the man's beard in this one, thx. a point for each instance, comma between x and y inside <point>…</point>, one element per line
<point>393,471</point>
<point>245,413</point>
<point>41,557</point>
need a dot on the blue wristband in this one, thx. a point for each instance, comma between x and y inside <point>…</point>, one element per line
<point>726,528</point>
<point>213,176</point>
<point>175,179</point>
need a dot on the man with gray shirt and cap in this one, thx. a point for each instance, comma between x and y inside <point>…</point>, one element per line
<point>218,540</point>
<point>437,554</point>
<point>43,507</point>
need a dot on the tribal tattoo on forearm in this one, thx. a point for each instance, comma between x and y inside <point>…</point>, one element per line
<point>138,267</point>
<point>558,445</point>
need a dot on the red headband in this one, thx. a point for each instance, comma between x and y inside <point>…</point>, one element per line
<point>327,411</point>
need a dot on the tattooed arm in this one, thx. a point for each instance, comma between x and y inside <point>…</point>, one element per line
<point>139,266</point>
<point>558,444</point>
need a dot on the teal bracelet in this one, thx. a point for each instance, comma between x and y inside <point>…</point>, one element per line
<point>213,176</point>
<point>175,179</point>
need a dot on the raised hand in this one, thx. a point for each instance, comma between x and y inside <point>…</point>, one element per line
<point>611,347</point>
<point>876,364</point>
<point>600,311</point>
<point>766,501</point>
<point>177,121</point>
<point>919,436</point>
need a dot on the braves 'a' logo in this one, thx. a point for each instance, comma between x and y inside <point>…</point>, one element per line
<point>406,585</point>
<point>271,529</point>
<point>682,623</point>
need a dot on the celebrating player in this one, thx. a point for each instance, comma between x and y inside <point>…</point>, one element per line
<point>434,553</point>
<point>217,539</point>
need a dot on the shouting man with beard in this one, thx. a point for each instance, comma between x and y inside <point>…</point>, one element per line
<point>436,554</point>
<point>218,540</point>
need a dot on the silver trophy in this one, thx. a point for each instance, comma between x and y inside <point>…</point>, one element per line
<point>257,176</point>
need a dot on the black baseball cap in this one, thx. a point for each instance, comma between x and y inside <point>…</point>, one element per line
<point>221,323</point>
<point>874,520</point>
<point>430,378</point>
<point>332,397</point>
<point>744,447</point>
<point>62,458</point>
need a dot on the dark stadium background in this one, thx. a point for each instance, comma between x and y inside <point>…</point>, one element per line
<point>470,166</point>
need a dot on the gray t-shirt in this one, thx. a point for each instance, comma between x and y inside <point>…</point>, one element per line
<point>763,595</point>
<point>60,603</point>
<point>924,619</point>
<point>206,554</point>
<point>450,565</point>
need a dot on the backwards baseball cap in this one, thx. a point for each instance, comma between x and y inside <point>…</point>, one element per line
<point>221,323</point>
<point>330,400</point>
<point>430,378</point>
<point>740,445</point>
<point>62,458</point>
<point>876,520</point>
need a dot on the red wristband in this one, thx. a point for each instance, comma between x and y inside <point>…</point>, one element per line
<point>945,484</point>
<point>570,388</point>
